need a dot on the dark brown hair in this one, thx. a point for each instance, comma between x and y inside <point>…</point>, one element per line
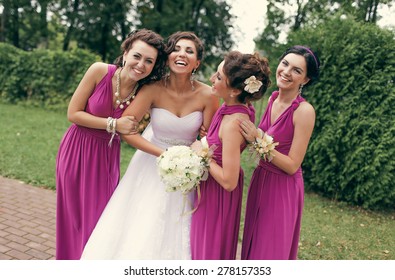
<point>154,40</point>
<point>238,67</point>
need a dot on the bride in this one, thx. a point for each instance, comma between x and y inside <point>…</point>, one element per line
<point>142,220</point>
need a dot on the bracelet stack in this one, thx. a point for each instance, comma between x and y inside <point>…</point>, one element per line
<point>111,128</point>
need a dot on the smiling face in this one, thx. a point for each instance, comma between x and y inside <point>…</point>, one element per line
<point>291,72</point>
<point>220,86</point>
<point>140,60</point>
<point>183,59</point>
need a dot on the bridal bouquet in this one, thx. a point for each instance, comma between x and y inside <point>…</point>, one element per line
<point>263,146</point>
<point>180,169</point>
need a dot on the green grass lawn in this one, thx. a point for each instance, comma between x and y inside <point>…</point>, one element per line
<point>331,230</point>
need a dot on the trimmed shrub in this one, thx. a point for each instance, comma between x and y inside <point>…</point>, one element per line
<point>43,77</point>
<point>352,150</point>
<point>8,57</point>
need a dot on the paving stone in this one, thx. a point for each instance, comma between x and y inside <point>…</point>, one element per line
<point>27,221</point>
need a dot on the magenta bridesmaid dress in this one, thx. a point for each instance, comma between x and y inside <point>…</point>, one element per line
<point>87,173</point>
<point>216,221</point>
<point>275,199</point>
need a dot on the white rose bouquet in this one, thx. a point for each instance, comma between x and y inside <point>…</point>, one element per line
<point>263,146</point>
<point>180,169</point>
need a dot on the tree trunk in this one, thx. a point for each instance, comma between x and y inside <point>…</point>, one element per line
<point>159,8</point>
<point>15,25</point>
<point>374,16</point>
<point>299,16</point>
<point>44,24</point>
<point>195,14</point>
<point>70,30</point>
<point>371,11</point>
<point>3,23</point>
<point>104,37</point>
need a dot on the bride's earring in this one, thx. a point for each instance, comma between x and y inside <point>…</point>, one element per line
<point>192,79</point>
<point>167,77</point>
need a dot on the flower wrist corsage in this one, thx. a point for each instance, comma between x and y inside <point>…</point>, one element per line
<point>263,146</point>
<point>206,154</point>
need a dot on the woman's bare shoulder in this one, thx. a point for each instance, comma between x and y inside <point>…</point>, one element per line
<point>96,71</point>
<point>202,87</point>
<point>305,108</point>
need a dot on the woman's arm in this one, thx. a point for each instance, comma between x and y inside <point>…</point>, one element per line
<point>76,111</point>
<point>228,175</point>
<point>211,106</point>
<point>304,119</point>
<point>138,108</point>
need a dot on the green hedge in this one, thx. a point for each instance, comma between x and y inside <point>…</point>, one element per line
<point>41,77</point>
<point>351,155</point>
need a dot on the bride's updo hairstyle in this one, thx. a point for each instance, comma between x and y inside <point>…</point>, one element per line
<point>239,67</point>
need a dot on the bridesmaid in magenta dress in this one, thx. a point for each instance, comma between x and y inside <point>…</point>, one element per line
<point>87,164</point>
<point>276,194</point>
<point>240,78</point>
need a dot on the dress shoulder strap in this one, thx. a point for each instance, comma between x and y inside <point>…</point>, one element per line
<point>111,70</point>
<point>299,99</point>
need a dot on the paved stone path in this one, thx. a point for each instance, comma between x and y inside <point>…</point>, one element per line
<point>27,221</point>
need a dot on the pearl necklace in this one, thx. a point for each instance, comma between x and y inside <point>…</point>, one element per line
<point>117,93</point>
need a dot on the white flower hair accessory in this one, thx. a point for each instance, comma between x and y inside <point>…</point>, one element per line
<point>252,84</point>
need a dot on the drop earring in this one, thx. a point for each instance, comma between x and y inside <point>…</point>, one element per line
<point>166,78</point>
<point>192,79</point>
<point>300,89</point>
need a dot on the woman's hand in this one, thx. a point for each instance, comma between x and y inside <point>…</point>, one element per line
<point>202,132</point>
<point>248,130</point>
<point>127,125</point>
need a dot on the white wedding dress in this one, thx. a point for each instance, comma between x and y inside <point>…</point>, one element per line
<point>142,220</point>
